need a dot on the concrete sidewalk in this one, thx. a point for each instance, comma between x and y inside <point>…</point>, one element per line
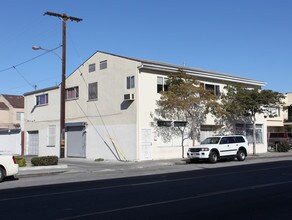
<point>75,165</point>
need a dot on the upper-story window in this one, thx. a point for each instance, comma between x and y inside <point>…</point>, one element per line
<point>92,91</point>
<point>42,99</point>
<point>162,84</point>
<point>18,115</point>
<point>274,111</point>
<point>214,89</point>
<point>103,64</point>
<point>91,67</point>
<point>130,82</point>
<point>72,93</point>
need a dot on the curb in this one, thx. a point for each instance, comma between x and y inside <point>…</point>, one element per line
<point>61,166</point>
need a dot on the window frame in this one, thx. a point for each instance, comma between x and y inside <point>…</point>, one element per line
<point>163,87</point>
<point>215,90</point>
<point>39,99</point>
<point>130,82</point>
<point>103,64</point>
<point>91,67</point>
<point>76,92</point>
<point>90,98</point>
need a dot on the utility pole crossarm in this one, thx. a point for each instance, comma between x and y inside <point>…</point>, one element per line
<point>63,16</point>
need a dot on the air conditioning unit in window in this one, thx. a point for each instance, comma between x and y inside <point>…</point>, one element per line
<point>129,97</point>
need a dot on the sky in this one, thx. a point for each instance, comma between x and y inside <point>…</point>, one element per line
<point>247,38</point>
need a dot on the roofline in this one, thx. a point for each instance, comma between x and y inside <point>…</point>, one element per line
<point>160,66</point>
<point>41,90</point>
<point>202,73</point>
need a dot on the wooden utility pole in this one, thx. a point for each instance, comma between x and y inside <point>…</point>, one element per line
<point>64,18</point>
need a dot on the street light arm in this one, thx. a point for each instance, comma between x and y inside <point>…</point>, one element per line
<point>48,50</point>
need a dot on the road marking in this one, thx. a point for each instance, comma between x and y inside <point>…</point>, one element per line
<point>204,195</point>
<point>136,184</point>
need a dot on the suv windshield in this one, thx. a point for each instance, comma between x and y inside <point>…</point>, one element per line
<point>211,140</point>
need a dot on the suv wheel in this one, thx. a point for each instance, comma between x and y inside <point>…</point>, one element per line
<point>213,157</point>
<point>241,155</point>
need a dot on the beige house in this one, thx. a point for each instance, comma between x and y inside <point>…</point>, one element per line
<point>11,124</point>
<point>280,119</point>
<point>11,111</point>
<point>110,100</point>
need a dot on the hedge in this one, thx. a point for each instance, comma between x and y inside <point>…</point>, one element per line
<point>21,161</point>
<point>44,161</point>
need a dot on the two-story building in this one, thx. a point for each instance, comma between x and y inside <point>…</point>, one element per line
<point>110,100</point>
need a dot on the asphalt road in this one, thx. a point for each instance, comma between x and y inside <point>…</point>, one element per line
<point>257,191</point>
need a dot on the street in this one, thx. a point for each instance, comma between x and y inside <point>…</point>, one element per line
<point>250,191</point>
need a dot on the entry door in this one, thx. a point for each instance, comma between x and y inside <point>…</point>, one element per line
<point>33,143</point>
<point>76,141</point>
<point>146,144</point>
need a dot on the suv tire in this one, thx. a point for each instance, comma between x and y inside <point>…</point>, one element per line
<point>213,157</point>
<point>241,155</point>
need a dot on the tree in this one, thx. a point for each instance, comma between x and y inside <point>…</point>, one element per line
<point>241,103</point>
<point>182,108</point>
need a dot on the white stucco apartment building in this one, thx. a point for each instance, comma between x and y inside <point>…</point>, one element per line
<point>109,103</point>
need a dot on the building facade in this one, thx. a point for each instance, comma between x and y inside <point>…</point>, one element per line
<point>110,101</point>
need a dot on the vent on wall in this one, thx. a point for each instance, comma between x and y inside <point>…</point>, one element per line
<point>129,97</point>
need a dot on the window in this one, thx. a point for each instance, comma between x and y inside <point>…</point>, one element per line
<point>162,84</point>
<point>91,67</point>
<point>164,123</point>
<point>274,112</point>
<point>72,93</point>
<point>18,116</point>
<point>214,89</point>
<point>92,91</point>
<point>179,123</point>
<point>42,99</point>
<point>51,140</point>
<point>247,130</point>
<point>130,82</point>
<point>103,65</point>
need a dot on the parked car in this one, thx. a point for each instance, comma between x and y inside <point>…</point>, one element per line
<point>219,147</point>
<point>8,166</point>
<point>277,137</point>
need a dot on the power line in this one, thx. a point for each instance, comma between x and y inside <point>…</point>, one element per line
<point>33,86</point>
<point>19,64</point>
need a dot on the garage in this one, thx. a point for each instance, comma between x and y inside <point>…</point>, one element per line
<point>76,139</point>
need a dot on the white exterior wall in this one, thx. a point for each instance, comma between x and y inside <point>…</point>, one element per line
<point>10,144</point>
<point>39,118</point>
<point>110,119</point>
<point>146,106</point>
<point>106,118</point>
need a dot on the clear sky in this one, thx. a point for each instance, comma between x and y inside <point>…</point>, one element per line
<point>248,38</point>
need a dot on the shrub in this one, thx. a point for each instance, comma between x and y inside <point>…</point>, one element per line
<point>99,160</point>
<point>44,161</point>
<point>21,161</point>
<point>283,147</point>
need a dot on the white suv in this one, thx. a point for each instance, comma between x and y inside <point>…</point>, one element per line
<point>218,147</point>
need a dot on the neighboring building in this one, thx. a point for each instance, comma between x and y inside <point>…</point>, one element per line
<point>280,118</point>
<point>11,111</point>
<point>11,123</point>
<point>110,100</point>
